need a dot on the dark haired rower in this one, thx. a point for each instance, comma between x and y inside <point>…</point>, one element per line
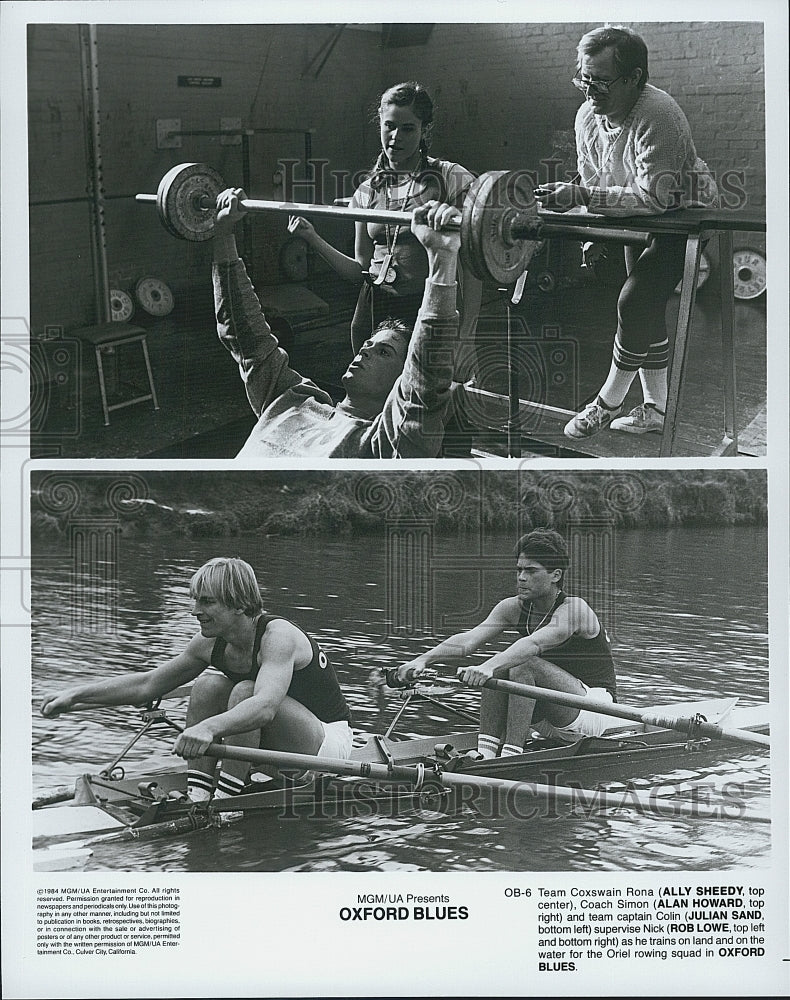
<point>562,646</point>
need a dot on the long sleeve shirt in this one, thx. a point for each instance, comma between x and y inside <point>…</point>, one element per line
<point>298,419</point>
<point>645,166</point>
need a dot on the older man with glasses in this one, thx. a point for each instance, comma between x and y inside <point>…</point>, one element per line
<point>635,156</point>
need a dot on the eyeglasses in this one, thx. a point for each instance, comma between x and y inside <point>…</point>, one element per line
<point>599,86</point>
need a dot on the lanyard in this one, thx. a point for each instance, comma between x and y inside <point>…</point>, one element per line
<point>386,272</point>
<point>391,247</point>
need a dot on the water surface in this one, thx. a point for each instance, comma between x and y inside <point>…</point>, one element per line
<point>687,614</point>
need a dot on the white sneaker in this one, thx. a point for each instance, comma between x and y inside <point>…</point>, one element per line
<point>592,419</point>
<point>643,419</point>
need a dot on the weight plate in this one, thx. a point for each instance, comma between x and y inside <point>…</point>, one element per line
<point>161,198</point>
<point>495,201</point>
<point>186,200</point>
<point>748,268</point>
<point>293,259</point>
<point>704,272</point>
<point>121,305</point>
<point>154,296</point>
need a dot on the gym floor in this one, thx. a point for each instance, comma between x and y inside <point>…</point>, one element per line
<point>203,410</point>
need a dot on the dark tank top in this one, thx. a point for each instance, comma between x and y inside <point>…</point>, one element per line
<point>314,686</point>
<point>589,660</point>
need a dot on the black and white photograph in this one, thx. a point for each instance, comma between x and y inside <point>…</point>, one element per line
<point>604,232</point>
<point>429,610</point>
<point>395,516</point>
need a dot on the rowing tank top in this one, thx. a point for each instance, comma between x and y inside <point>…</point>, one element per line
<point>589,660</point>
<point>314,686</point>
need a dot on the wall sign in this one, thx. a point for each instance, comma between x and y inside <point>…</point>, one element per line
<point>200,81</point>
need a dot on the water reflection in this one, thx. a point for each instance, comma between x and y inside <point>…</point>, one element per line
<point>685,626</point>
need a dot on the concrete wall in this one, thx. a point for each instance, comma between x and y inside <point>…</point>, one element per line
<point>503,95</point>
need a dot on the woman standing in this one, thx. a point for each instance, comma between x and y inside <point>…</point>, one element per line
<point>388,258</point>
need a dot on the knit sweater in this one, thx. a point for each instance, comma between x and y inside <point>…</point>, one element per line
<point>645,166</point>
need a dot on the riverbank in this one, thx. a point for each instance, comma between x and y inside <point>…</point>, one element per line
<point>226,504</point>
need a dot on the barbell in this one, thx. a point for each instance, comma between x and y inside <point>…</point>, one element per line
<point>500,228</point>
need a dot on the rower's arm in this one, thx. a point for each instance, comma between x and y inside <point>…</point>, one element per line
<point>281,649</point>
<point>132,689</point>
<point>462,644</point>
<point>574,616</point>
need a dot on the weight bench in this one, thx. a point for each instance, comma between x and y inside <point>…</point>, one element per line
<point>697,225</point>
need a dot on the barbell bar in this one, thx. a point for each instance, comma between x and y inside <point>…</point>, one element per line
<point>500,228</point>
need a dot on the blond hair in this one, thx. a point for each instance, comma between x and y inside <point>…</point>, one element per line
<point>231,581</point>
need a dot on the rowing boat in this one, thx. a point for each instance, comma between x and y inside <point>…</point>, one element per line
<point>437,773</point>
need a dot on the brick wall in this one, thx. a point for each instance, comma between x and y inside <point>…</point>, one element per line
<point>503,94</point>
<point>501,105</point>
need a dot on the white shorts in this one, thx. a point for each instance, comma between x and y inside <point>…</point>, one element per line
<point>337,735</point>
<point>585,724</point>
<point>337,740</point>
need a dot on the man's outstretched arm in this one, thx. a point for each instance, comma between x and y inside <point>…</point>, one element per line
<point>130,688</point>
<point>414,416</point>
<point>241,324</point>
<point>463,644</point>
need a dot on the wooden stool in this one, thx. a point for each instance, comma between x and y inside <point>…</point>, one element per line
<point>105,338</point>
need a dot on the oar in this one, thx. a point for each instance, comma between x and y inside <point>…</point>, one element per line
<point>63,794</point>
<point>310,762</point>
<point>591,799</point>
<point>689,726</point>
<point>514,790</point>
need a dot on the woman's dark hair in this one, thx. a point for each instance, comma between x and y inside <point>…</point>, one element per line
<point>630,51</point>
<point>410,94</point>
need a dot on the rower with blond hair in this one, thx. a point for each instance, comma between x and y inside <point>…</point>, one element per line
<point>259,681</point>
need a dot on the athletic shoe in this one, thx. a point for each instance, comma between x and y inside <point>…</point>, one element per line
<point>643,419</point>
<point>592,419</point>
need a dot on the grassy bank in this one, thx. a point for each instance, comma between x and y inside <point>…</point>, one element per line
<point>221,504</point>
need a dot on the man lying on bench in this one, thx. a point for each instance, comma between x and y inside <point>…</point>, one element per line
<point>398,397</point>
